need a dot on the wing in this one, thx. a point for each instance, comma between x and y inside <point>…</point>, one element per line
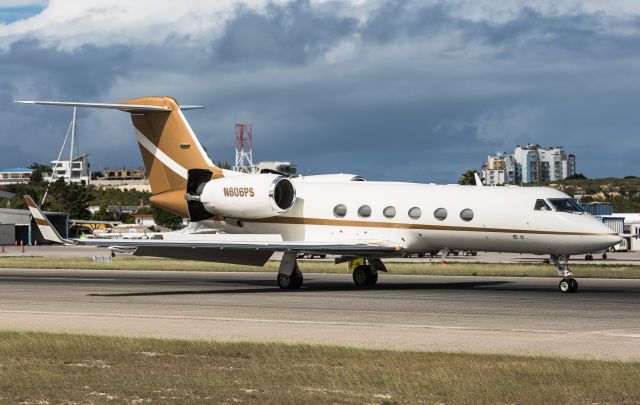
<point>216,242</point>
<point>219,247</point>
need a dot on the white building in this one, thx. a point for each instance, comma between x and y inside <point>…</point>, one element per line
<point>500,168</point>
<point>529,164</point>
<point>286,168</point>
<point>80,170</point>
<point>15,175</point>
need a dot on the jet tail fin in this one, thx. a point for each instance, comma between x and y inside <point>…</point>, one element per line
<point>168,145</point>
<point>45,227</point>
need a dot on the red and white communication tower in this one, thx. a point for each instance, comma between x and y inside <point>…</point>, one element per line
<point>244,148</point>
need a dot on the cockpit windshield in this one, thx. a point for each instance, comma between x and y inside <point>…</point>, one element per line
<point>541,205</point>
<point>566,205</point>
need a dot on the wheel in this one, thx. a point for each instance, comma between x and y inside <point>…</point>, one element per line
<point>604,256</point>
<point>574,285</point>
<point>568,285</point>
<point>474,253</point>
<point>292,282</point>
<point>588,257</point>
<point>365,276</point>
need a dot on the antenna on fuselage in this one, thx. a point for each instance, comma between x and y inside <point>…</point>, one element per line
<point>478,180</point>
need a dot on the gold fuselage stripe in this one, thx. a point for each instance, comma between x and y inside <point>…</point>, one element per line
<point>393,225</point>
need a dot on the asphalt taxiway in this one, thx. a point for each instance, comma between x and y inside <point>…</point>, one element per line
<point>479,314</point>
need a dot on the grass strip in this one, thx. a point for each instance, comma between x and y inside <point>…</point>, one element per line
<point>310,266</point>
<point>61,368</point>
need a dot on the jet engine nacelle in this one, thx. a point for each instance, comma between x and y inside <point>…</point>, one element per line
<point>251,196</point>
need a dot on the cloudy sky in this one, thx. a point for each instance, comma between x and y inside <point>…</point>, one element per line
<point>388,89</point>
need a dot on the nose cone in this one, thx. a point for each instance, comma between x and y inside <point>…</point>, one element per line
<point>604,237</point>
<point>613,240</point>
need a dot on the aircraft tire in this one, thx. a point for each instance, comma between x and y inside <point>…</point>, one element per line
<point>365,276</point>
<point>574,285</point>
<point>292,282</point>
<point>568,285</point>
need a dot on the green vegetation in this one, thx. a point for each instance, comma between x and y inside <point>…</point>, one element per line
<point>162,217</point>
<point>108,196</point>
<point>468,178</point>
<point>58,368</point>
<point>311,266</point>
<point>61,195</point>
<point>39,171</point>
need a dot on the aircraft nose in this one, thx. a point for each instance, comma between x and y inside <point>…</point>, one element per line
<point>614,239</point>
<point>607,241</point>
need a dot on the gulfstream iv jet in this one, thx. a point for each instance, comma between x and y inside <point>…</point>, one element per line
<point>361,222</point>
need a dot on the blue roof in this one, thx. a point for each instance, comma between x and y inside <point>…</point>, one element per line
<point>16,170</point>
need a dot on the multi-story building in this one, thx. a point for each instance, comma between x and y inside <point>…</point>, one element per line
<point>500,168</point>
<point>123,179</point>
<point>286,168</point>
<point>529,164</point>
<point>123,174</point>
<point>15,175</point>
<point>78,172</point>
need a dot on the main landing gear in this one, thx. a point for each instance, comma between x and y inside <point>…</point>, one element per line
<point>291,282</point>
<point>289,274</point>
<point>365,276</point>
<point>365,271</point>
<point>568,284</point>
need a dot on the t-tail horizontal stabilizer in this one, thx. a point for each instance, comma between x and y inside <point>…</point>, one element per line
<point>45,227</point>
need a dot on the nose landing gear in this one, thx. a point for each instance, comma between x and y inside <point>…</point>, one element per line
<point>568,284</point>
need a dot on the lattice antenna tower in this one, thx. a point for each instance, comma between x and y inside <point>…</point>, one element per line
<point>244,148</point>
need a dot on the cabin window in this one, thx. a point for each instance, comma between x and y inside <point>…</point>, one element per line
<point>389,212</point>
<point>364,211</point>
<point>566,205</point>
<point>440,214</point>
<point>340,210</point>
<point>415,213</point>
<point>541,205</point>
<point>466,214</point>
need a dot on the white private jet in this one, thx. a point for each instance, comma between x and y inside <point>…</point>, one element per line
<point>360,221</point>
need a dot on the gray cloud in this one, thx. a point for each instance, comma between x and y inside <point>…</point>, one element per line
<point>411,92</point>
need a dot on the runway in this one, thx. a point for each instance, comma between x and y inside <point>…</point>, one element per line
<point>478,314</point>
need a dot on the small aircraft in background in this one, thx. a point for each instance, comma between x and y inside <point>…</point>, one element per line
<point>362,222</point>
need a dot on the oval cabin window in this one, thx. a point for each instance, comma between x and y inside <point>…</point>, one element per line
<point>340,210</point>
<point>440,214</point>
<point>364,211</point>
<point>415,213</point>
<point>389,212</point>
<point>466,214</point>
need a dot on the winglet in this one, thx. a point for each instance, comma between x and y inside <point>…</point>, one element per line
<point>47,230</point>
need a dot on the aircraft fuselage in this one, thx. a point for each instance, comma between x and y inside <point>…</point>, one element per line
<point>503,219</point>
